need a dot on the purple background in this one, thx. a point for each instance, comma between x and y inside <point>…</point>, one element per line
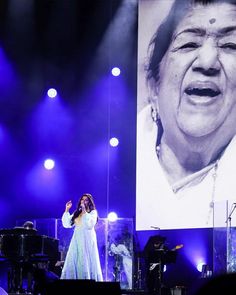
<point>72,46</point>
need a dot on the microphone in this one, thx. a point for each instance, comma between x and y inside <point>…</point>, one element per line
<point>81,208</point>
<point>154,227</point>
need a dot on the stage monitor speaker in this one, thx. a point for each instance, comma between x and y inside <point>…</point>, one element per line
<point>108,288</point>
<point>178,290</point>
<point>82,287</point>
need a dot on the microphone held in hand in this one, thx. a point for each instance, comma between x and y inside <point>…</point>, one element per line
<point>154,227</point>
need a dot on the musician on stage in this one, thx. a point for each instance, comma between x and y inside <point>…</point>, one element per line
<point>82,259</point>
<point>154,267</point>
<point>29,270</point>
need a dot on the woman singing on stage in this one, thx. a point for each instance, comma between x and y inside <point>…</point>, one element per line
<point>82,259</point>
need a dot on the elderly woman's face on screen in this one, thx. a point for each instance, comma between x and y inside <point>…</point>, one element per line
<point>197,86</point>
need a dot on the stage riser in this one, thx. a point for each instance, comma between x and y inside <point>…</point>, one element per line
<point>79,286</point>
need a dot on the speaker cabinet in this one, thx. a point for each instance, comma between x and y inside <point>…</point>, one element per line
<point>86,286</point>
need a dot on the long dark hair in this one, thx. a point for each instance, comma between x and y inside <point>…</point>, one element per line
<point>91,206</point>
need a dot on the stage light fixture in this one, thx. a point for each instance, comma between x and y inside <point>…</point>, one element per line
<point>114,141</point>
<point>112,216</point>
<point>115,71</point>
<point>52,93</point>
<point>49,164</point>
<point>200,265</point>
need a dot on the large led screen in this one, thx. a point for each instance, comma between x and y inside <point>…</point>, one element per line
<point>186,115</point>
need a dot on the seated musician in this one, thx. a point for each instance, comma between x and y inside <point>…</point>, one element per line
<point>38,272</point>
<point>154,266</point>
<point>20,276</point>
<point>31,273</point>
<point>29,225</point>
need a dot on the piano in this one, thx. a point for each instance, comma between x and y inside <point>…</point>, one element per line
<point>25,244</point>
<point>25,249</point>
<point>20,244</point>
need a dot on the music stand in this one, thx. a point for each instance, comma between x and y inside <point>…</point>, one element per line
<point>157,259</point>
<point>162,255</point>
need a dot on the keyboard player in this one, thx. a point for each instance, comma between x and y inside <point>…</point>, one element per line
<point>31,257</point>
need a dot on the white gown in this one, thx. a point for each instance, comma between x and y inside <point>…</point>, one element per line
<point>200,200</point>
<point>82,259</point>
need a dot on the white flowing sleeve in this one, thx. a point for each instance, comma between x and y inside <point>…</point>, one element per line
<point>66,220</point>
<point>90,219</point>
